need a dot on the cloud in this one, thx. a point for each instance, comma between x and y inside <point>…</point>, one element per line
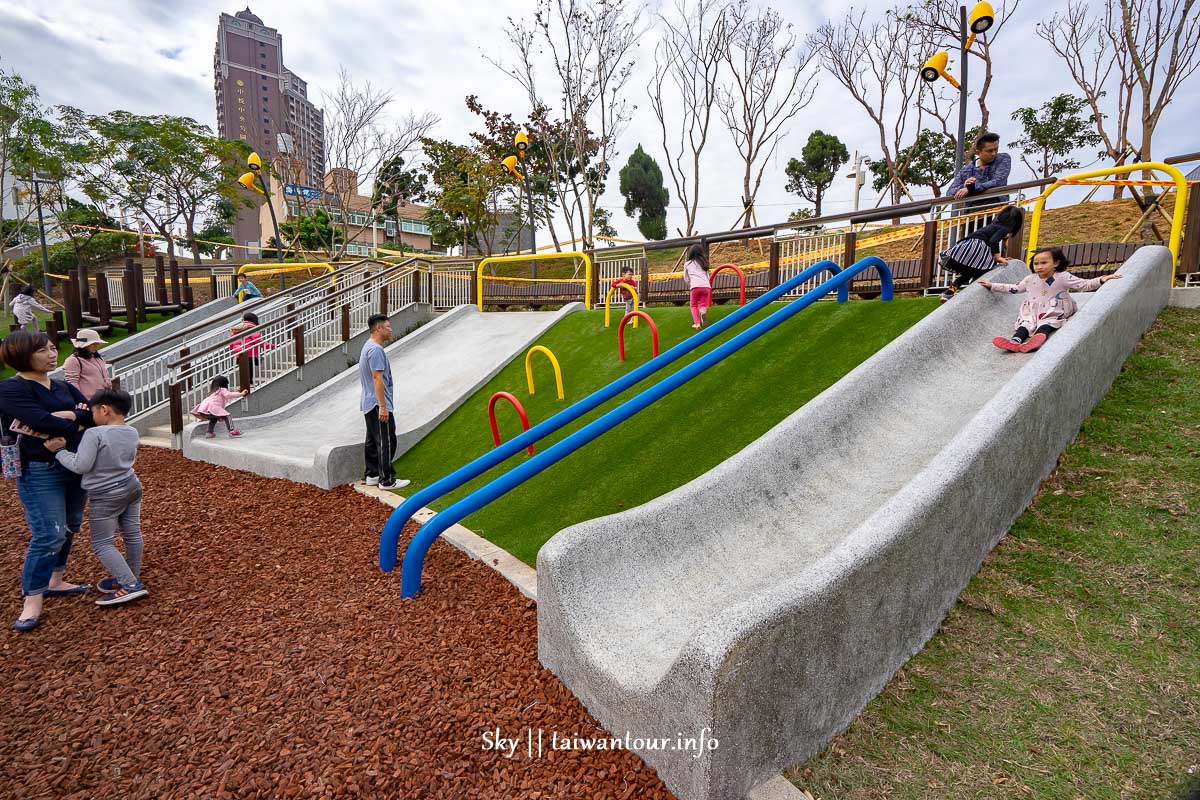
<point>155,57</point>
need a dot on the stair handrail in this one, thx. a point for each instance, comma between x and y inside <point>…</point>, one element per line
<point>239,310</point>
<point>389,539</point>
<point>390,273</point>
<point>414,555</point>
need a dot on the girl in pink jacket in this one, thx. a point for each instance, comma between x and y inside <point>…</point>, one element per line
<point>1048,303</point>
<point>695,273</point>
<point>212,408</point>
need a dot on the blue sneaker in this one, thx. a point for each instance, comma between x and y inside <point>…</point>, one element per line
<point>124,594</point>
<point>108,586</point>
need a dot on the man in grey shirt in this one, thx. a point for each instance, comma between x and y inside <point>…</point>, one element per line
<point>105,460</point>
<point>376,406</point>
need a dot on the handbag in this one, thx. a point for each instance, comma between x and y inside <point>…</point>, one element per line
<point>10,456</point>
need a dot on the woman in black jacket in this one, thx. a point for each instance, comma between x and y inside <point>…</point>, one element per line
<point>38,408</point>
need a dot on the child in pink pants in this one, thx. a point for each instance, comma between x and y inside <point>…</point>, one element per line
<point>695,272</point>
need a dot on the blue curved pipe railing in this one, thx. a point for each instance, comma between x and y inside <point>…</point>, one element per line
<point>389,540</point>
<point>414,556</point>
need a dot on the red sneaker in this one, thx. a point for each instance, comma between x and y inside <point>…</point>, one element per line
<point>1004,343</point>
<point>1035,341</point>
<point>235,433</point>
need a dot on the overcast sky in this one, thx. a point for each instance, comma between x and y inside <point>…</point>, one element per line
<point>156,57</point>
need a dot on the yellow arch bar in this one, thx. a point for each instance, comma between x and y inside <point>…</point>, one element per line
<point>537,348</point>
<point>608,300</point>
<point>587,261</point>
<point>1181,190</point>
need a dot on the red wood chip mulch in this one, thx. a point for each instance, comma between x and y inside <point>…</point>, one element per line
<point>273,659</point>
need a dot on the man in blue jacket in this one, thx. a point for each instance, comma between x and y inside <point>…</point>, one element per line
<point>988,170</point>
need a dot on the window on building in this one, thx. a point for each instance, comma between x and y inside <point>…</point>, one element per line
<point>358,218</point>
<point>415,226</point>
<point>389,227</point>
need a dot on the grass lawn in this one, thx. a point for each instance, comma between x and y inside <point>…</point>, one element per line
<point>677,439</point>
<point>1070,668</point>
<point>64,344</point>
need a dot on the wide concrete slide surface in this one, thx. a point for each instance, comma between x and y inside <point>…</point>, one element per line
<point>769,599</point>
<point>318,438</point>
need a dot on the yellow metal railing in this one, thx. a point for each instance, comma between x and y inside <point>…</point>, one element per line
<point>587,281</point>
<point>1181,190</point>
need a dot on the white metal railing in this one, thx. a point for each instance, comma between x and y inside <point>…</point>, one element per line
<point>800,251</point>
<point>955,224</point>
<point>147,378</point>
<point>271,346</point>
<point>449,284</point>
<point>610,265</point>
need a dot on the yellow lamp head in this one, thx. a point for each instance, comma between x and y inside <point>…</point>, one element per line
<point>522,143</point>
<point>983,16</point>
<point>248,180</point>
<point>254,162</point>
<point>935,67</point>
<point>510,164</point>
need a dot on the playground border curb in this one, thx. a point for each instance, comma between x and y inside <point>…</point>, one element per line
<point>511,568</point>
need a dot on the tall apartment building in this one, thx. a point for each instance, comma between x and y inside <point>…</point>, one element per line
<point>258,99</point>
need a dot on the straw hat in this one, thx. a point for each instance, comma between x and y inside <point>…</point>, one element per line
<point>85,337</point>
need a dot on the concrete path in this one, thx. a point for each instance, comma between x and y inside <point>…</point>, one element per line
<point>768,600</point>
<point>318,437</point>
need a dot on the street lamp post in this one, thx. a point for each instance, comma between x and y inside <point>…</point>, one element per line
<point>248,180</point>
<point>521,142</point>
<point>37,197</point>
<point>981,18</point>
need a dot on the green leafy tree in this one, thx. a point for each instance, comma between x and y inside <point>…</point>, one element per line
<point>644,192</point>
<point>468,190</point>
<point>801,214</point>
<point>23,128</point>
<point>811,175</point>
<point>171,169</point>
<point>928,161</point>
<point>396,187</point>
<point>314,232</point>
<point>218,228</point>
<point>1054,132</point>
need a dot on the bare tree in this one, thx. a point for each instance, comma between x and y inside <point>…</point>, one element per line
<point>359,141</point>
<point>877,64</point>
<point>589,43</point>
<point>939,19</point>
<point>689,56</point>
<point>770,83</point>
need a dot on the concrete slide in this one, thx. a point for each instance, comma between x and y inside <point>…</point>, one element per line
<point>766,602</point>
<point>318,438</point>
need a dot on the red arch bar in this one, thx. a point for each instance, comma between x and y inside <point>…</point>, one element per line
<point>621,333</point>
<point>741,279</point>
<point>498,396</point>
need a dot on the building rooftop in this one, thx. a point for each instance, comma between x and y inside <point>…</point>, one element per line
<point>249,16</point>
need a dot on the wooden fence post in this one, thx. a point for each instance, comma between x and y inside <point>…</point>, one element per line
<point>176,400</point>
<point>103,303</point>
<point>851,239</point>
<point>1189,253</point>
<point>139,274</point>
<point>54,326</point>
<point>176,295</point>
<point>383,299</point>
<point>474,286</point>
<point>245,372</point>
<point>773,266</point>
<point>298,338</point>
<point>160,281</point>
<point>84,289</point>
<point>345,323</point>
<point>928,253</point>
<point>131,313</point>
<point>71,303</point>
<point>189,299</point>
<point>644,281</point>
<point>416,286</point>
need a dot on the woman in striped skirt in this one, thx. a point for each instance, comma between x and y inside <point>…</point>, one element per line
<point>979,252</point>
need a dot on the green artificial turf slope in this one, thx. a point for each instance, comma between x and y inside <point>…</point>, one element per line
<point>680,437</point>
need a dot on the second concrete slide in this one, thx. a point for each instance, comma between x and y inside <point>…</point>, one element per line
<point>318,438</point>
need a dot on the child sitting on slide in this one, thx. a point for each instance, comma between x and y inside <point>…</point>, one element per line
<point>1049,303</point>
<point>212,408</point>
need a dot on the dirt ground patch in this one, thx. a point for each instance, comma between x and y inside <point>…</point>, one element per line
<point>274,659</point>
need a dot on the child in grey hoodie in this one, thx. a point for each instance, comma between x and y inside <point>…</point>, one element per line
<point>105,460</point>
<point>23,305</point>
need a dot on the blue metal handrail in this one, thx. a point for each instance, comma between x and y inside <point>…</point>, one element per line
<point>389,539</point>
<point>414,556</point>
